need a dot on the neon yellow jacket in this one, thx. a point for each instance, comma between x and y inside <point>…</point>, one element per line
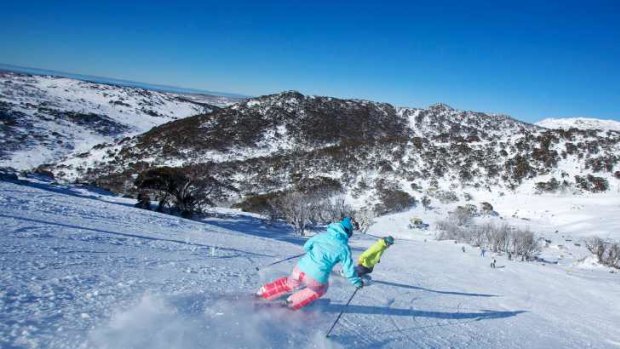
<point>372,255</point>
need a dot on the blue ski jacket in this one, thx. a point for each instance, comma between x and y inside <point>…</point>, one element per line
<point>325,250</point>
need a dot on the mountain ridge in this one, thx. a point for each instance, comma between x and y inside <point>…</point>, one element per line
<point>275,142</point>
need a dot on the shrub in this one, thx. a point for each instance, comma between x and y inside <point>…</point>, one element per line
<point>187,189</point>
<point>446,197</point>
<point>524,243</point>
<point>599,184</point>
<point>318,184</point>
<point>418,142</point>
<point>471,209</point>
<point>465,174</point>
<point>329,209</point>
<point>44,171</point>
<point>295,209</point>
<point>303,209</point>
<point>552,186</point>
<point>602,163</point>
<point>259,203</point>
<point>144,201</point>
<point>571,148</point>
<point>497,238</point>
<point>394,200</point>
<point>548,157</point>
<point>365,218</point>
<point>486,207</point>
<point>463,215</point>
<point>592,183</point>
<point>501,238</point>
<point>607,253</point>
<point>426,202</point>
<point>519,166</point>
<point>447,229</point>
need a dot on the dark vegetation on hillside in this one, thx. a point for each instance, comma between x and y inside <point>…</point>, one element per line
<point>348,139</point>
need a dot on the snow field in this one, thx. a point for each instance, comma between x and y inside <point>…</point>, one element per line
<point>81,269</point>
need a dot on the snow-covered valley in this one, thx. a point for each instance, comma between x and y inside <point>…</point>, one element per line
<point>84,269</point>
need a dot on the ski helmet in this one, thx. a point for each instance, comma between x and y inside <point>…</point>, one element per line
<point>347,225</point>
<point>389,240</point>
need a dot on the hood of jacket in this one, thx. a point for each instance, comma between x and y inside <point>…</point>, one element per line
<point>337,231</point>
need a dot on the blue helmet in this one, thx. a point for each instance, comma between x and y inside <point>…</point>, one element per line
<point>347,225</point>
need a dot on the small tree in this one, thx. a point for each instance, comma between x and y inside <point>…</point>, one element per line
<point>426,202</point>
<point>327,208</point>
<point>161,180</point>
<point>192,194</point>
<point>613,255</point>
<point>486,208</point>
<point>607,253</point>
<point>394,200</point>
<point>462,216</point>
<point>295,209</point>
<point>144,201</point>
<point>524,243</point>
<point>498,238</point>
<point>189,190</point>
<point>365,217</point>
<point>596,246</point>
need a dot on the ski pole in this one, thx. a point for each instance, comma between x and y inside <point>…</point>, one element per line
<point>280,261</point>
<point>341,312</point>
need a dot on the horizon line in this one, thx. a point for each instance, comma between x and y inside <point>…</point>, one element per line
<point>116,81</point>
<point>187,90</point>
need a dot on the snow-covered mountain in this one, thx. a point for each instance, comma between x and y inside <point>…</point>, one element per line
<point>580,123</point>
<point>44,118</point>
<point>82,269</point>
<point>365,149</point>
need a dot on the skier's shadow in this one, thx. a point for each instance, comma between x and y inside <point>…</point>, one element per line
<point>394,284</point>
<point>375,310</point>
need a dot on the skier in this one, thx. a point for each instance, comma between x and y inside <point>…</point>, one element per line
<point>323,251</point>
<point>367,260</point>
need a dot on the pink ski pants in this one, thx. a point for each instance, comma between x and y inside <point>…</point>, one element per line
<point>311,291</point>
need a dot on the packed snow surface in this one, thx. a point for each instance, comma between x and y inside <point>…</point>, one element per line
<point>84,269</point>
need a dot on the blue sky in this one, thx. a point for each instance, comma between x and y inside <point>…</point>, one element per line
<point>528,59</point>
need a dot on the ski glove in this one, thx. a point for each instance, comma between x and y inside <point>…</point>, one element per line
<point>359,284</point>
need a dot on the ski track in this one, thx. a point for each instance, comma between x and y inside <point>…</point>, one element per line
<point>90,271</point>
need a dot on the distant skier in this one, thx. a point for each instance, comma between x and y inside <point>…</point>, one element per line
<point>493,263</point>
<point>323,252</point>
<point>482,251</point>
<point>367,260</point>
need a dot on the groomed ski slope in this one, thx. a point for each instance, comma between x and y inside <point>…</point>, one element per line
<point>79,269</point>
